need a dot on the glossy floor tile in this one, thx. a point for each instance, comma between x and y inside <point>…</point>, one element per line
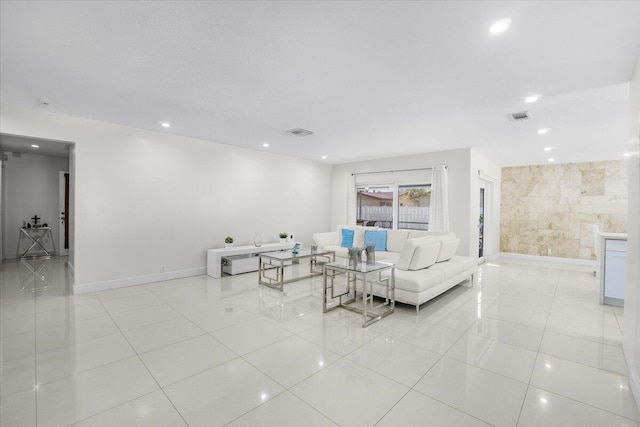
<point>526,345</point>
<point>490,397</point>
<point>151,410</point>
<point>595,387</point>
<point>341,390</point>
<point>543,408</point>
<point>418,410</point>
<point>284,410</point>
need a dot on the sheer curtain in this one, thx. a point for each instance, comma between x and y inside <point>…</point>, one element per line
<point>439,215</point>
<point>351,199</point>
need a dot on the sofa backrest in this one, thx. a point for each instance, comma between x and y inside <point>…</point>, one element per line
<point>396,239</point>
<point>418,253</point>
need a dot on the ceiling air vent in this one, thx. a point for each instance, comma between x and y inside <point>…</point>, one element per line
<point>299,132</point>
<point>516,117</point>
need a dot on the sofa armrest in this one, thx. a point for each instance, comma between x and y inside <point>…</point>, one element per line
<point>326,239</point>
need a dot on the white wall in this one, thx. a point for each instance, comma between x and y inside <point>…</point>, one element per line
<point>144,199</point>
<point>631,326</point>
<point>31,188</point>
<point>2,204</point>
<point>463,188</point>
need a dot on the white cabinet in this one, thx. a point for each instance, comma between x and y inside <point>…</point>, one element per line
<point>614,268</point>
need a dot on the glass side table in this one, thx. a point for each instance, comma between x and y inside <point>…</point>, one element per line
<point>36,240</point>
<point>360,299</point>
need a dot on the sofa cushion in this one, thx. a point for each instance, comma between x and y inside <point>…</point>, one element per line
<point>419,280</point>
<point>406,254</point>
<point>391,257</point>
<point>425,256</point>
<point>448,249</point>
<point>339,250</point>
<point>377,237</point>
<point>415,234</point>
<point>326,239</point>
<point>396,239</point>
<point>347,237</point>
<point>455,266</point>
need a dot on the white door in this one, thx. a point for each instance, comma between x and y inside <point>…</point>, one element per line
<point>63,211</point>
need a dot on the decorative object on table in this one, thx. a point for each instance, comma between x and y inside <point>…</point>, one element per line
<point>355,256</point>
<point>28,225</point>
<point>283,237</point>
<point>291,239</point>
<point>228,242</point>
<point>371,253</point>
<point>314,248</point>
<point>24,224</point>
<point>45,225</point>
<point>295,249</point>
<point>257,239</point>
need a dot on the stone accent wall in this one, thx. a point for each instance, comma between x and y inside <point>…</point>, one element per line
<point>548,209</point>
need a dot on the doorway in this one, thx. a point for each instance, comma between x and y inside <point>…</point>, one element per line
<point>63,209</point>
<point>37,182</point>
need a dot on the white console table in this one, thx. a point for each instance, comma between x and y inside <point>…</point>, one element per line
<point>613,267</point>
<point>214,256</point>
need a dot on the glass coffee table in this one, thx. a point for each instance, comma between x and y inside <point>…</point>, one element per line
<point>359,299</point>
<point>272,266</point>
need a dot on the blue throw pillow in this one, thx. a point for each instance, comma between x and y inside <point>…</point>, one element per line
<point>347,238</point>
<point>377,237</point>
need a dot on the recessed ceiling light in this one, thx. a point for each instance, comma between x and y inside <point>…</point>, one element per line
<point>265,145</point>
<point>500,26</point>
<point>35,146</point>
<point>551,160</point>
<point>323,157</point>
<point>532,98</point>
<point>543,131</point>
<point>548,148</point>
<point>165,124</point>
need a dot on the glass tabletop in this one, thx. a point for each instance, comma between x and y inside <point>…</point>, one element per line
<point>361,267</point>
<point>288,255</point>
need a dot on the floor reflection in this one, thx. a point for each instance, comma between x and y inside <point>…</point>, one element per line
<point>34,273</point>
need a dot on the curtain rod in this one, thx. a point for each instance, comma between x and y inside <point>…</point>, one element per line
<point>392,171</point>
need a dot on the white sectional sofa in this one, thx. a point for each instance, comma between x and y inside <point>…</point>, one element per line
<point>426,264</point>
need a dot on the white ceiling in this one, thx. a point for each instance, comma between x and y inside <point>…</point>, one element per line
<point>371,79</point>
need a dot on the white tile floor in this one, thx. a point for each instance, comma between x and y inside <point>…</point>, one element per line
<point>527,345</point>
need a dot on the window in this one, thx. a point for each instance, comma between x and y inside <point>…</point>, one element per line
<point>375,206</point>
<point>389,205</point>
<point>413,209</point>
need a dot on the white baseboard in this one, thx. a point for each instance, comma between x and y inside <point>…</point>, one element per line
<point>81,288</point>
<point>524,257</point>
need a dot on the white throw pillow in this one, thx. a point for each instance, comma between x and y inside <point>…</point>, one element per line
<point>406,254</point>
<point>448,249</point>
<point>396,240</point>
<point>425,256</point>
